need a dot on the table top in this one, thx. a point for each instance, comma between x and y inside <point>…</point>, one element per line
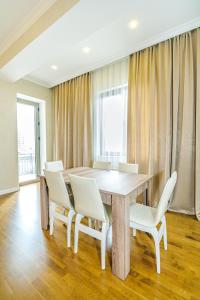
<point>111,181</point>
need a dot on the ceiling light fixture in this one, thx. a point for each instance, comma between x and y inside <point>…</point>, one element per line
<point>54,67</point>
<point>86,49</point>
<point>133,24</point>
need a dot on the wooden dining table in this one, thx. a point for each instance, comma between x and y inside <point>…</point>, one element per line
<point>117,189</point>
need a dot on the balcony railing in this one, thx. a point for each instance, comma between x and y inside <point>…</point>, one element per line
<point>27,164</point>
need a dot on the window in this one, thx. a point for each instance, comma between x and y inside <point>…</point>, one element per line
<point>110,90</point>
<point>111,115</point>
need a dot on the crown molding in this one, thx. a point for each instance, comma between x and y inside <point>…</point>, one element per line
<point>175,31</point>
<point>38,81</point>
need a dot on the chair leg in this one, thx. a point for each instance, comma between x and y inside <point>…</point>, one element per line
<point>109,238</point>
<point>134,232</point>
<point>157,248</point>
<point>52,212</point>
<point>164,232</point>
<point>103,245</point>
<point>77,222</point>
<point>69,224</point>
<point>89,222</point>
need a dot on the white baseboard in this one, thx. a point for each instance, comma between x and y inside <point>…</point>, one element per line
<point>182,211</point>
<point>8,191</point>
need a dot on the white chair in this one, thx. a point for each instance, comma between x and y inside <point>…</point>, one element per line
<point>147,218</point>
<point>88,203</point>
<point>59,197</point>
<point>128,168</point>
<point>105,165</point>
<point>54,165</point>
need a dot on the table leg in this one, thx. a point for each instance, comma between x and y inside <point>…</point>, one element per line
<point>44,203</point>
<point>146,200</point>
<point>120,237</point>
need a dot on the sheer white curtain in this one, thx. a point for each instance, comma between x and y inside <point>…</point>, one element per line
<point>110,91</point>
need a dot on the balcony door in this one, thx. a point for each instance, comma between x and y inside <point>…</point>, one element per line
<point>28,127</point>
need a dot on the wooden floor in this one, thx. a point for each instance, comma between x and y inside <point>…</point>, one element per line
<point>34,265</point>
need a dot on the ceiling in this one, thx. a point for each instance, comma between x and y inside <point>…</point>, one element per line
<point>101,25</point>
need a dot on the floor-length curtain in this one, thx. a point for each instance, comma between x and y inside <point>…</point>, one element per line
<point>149,131</point>
<point>163,120</point>
<point>185,120</point>
<point>196,41</point>
<point>73,122</point>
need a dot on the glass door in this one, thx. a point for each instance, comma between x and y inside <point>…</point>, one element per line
<point>28,127</point>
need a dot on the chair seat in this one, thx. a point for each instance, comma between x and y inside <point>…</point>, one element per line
<point>143,215</point>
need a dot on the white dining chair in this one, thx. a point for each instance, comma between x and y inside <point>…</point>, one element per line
<point>54,165</point>
<point>128,168</point>
<point>105,165</point>
<point>147,218</point>
<point>88,203</point>
<point>59,198</point>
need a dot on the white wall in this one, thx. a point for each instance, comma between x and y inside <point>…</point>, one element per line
<point>8,128</point>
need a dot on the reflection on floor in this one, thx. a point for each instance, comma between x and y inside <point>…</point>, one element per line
<point>28,177</point>
<point>34,265</point>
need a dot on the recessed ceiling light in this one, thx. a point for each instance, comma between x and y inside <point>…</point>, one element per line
<point>86,49</point>
<point>54,67</point>
<point>133,24</point>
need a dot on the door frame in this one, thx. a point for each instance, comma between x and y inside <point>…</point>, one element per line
<point>37,134</point>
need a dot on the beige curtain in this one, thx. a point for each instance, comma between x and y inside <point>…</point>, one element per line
<point>196,37</point>
<point>73,122</point>
<point>183,120</point>
<point>149,131</point>
<point>163,123</point>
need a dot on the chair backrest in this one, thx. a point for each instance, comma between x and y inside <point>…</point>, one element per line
<point>87,197</point>
<point>54,165</point>
<point>166,197</point>
<point>128,168</point>
<point>105,165</point>
<point>57,188</point>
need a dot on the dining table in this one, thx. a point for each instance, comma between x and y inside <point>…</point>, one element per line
<point>117,189</point>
